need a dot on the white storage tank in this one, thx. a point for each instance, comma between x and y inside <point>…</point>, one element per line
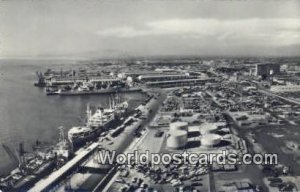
<point>194,128</point>
<point>210,140</point>
<point>207,128</point>
<point>175,126</point>
<point>177,139</point>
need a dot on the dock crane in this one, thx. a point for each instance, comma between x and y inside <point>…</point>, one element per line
<point>11,154</point>
<point>17,156</point>
<point>41,79</point>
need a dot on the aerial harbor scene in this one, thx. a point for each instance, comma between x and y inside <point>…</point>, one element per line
<point>150,96</point>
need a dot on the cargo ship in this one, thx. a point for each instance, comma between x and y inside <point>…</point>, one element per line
<point>102,120</point>
<point>110,90</point>
<point>32,166</point>
<point>89,88</point>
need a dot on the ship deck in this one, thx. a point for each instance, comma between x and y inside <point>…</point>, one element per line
<point>80,155</point>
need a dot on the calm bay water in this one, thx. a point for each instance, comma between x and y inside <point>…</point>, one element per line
<point>27,114</point>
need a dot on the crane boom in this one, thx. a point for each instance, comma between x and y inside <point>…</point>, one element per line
<point>10,153</point>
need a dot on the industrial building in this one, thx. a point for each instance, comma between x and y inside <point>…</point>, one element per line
<point>179,83</point>
<point>266,70</point>
<point>165,77</point>
<point>245,119</point>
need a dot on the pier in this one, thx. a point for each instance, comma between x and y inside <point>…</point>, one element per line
<point>57,176</point>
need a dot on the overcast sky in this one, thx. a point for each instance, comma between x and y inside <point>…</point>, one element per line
<point>106,28</point>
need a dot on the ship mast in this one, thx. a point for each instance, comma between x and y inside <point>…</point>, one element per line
<point>113,103</point>
<point>88,114</point>
<point>118,98</point>
<point>109,101</point>
<point>88,111</point>
<point>62,139</point>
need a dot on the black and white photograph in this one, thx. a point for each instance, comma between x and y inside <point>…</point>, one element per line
<point>149,95</point>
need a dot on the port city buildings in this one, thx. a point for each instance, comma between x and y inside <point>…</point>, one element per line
<point>224,107</point>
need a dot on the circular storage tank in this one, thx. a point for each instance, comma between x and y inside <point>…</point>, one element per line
<point>207,128</point>
<point>178,126</point>
<point>209,140</point>
<point>177,139</point>
<point>194,128</point>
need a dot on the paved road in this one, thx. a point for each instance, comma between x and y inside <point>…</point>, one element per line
<point>212,183</point>
<point>267,92</point>
<point>154,105</point>
<point>281,97</point>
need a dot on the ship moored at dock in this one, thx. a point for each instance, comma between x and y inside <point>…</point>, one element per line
<point>102,120</point>
<point>99,92</point>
